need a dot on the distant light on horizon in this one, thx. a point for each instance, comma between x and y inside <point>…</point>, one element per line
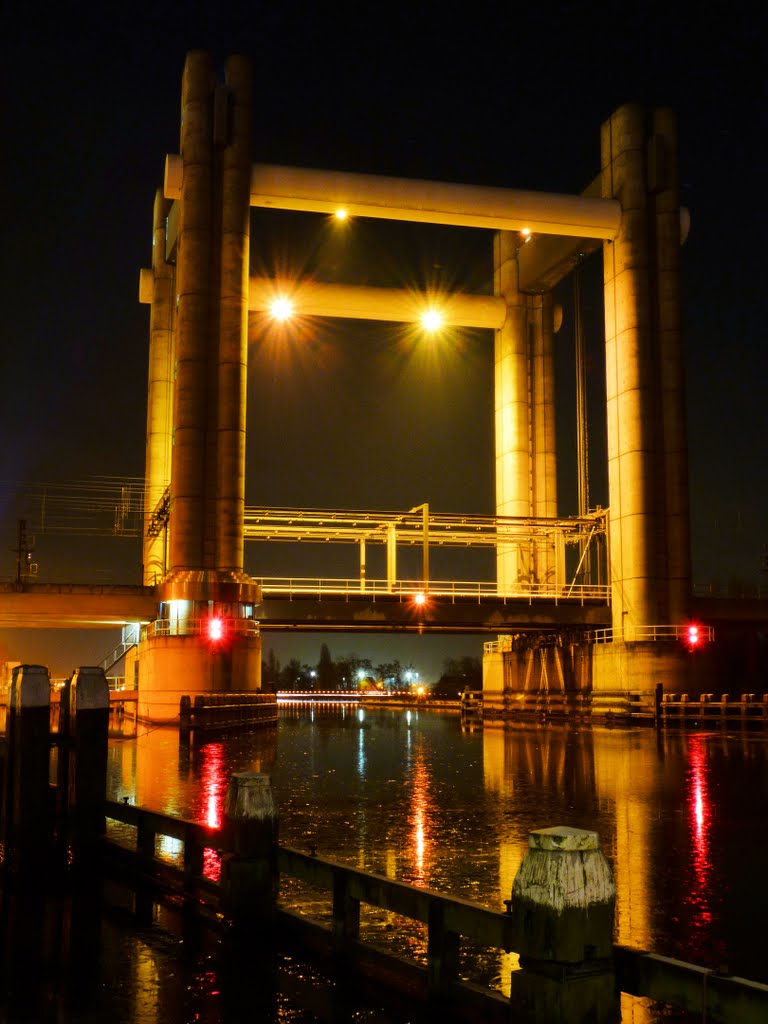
<point>341,214</point>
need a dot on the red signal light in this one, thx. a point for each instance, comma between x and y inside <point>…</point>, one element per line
<point>420,599</point>
<point>694,636</point>
<point>214,629</point>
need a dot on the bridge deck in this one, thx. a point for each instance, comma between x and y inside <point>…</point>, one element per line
<point>320,605</point>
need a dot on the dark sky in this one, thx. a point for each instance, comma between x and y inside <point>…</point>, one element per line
<point>503,94</point>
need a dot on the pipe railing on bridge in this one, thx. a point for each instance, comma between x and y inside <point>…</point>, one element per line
<point>653,634</point>
<point>406,590</point>
<point>634,634</point>
<point>199,627</point>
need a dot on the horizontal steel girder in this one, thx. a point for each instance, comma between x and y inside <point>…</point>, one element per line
<point>394,613</point>
<point>428,202</point>
<point>312,298</point>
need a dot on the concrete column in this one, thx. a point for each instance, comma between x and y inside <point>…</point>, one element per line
<point>541,336</point>
<point>160,283</point>
<point>233,313</point>
<point>188,486</point>
<point>664,186</point>
<point>541,309</point>
<point>636,516</point>
<point>512,411</point>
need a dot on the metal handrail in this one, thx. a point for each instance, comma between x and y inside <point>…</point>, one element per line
<point>477,589</point>
<point>631,634</point>
<point>198,627</point>
<point>658,633</point>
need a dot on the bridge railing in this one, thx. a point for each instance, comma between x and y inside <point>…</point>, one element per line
<point>652,634</point>
<point>660,634</point>
<point>741,591</point>
<point>479,590</point>
<point>189,866</point>
<point>198,627</point>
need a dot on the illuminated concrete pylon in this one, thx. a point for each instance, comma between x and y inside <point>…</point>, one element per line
<point>647,450</point>
<point>526,482</point>
<point>205,338</point>
<point>158,288</point>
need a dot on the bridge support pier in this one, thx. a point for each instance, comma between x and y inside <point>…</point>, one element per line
<point>205,638</point>
<point>524,387</point>
<point>560,676</point>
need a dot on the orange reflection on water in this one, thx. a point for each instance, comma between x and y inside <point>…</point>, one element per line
<point>422,807</point>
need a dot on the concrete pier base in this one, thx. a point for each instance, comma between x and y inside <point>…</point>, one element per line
<point>638,666</point>
<point>169,666</point>
<point>205,640</point>
<point>559,677</point>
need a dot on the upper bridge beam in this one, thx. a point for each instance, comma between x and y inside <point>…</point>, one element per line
<point>427,202</point>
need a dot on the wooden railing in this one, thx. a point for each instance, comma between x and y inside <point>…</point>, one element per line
<point>449,920</point>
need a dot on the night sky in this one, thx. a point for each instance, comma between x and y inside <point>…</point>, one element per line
<point>357,415</point>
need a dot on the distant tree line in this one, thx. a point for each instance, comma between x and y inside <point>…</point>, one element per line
<point>352,672</point>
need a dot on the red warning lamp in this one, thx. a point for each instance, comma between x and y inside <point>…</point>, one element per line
<point>420,599</point>
<point>694,636</point>
<point>214,629</point>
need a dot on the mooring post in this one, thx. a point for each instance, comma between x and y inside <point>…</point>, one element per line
<point>26,802</point>
<point>88,741</point>
<point>563,900</point>
<point>249,874</point>
<point>185,717</point>
<point>442,952</point>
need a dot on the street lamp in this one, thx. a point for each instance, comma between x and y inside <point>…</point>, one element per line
<point>432,320</point>
<point>281,309</point>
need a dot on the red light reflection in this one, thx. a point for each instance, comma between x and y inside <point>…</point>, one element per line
<point>700,810</point>
<point>213,786</point>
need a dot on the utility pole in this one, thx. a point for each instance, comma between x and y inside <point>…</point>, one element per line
<point>24,564</point>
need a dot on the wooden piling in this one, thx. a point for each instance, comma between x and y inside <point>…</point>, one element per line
<point>563,900</point>
<point>26,825</point>
<point>249,875</point>
<point>87,743</point>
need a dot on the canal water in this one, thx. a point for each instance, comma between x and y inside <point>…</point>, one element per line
<point>682,817</point>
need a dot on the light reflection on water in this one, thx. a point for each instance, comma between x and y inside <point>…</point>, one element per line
<point>411,795</point>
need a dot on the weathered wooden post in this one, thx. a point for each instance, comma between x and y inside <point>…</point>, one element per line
<point>185,717</point>
<point>249,874</point>
<point>563,900</point>
<point>88,742</point>
<point>27,822</point>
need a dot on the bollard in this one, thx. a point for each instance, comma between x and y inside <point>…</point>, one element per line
<point>249,877</point>
<point>563,900</point>
<point>26,798</point>
<point>88,742</point>
<point>185,717</point>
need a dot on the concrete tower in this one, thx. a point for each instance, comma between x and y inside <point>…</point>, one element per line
<point>526,466</point>
<point>206,638</point>
<point>647,448</point>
